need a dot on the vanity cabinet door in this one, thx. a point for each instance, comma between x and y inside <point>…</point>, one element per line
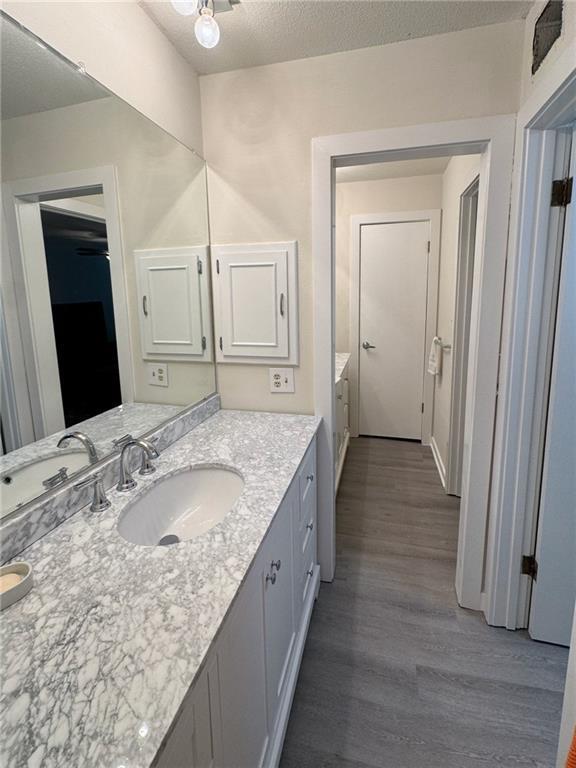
<point>241,657</point>
<point>174,303</point>
<point>195,739</point>
<point>278,588</point>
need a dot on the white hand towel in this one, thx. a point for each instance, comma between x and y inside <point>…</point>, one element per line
<point>435,357</point>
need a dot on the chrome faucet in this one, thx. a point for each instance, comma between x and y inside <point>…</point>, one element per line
<point>86,442</point>
<point>99,500</point>
<point>126,481</point>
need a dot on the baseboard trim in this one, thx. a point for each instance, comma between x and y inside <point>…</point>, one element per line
<point>277,742</point>
<point>438,460</point>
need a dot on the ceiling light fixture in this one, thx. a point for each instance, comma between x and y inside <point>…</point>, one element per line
<point>185,7</point>
<point>206,27</point>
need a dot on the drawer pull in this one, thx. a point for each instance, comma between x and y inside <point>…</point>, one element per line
<point>310,526</point>
<point>310,478</point>
<point>271,577</point>
<point>310,572</point>
<point>276,564</point>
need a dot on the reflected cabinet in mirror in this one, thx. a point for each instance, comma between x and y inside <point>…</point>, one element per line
<point>106,324</point>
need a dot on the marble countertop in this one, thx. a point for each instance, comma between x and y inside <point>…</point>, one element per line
<point>98,657</point>
<point>340,361</point>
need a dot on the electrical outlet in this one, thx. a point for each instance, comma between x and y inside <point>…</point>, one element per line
<point>158,374</point>
<point>281,379</point>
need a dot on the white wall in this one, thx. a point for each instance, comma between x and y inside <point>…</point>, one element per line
<point>126,52</point>
<point>162,199</point>
<point>258,124</point>
<point>414,193</point>
<point>459,174</point>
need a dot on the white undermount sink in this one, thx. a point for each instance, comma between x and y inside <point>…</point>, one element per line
<point>181,507</point>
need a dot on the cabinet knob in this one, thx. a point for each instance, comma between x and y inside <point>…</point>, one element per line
<point>310,478</point>
<point>310,572</point>
<point>310,526</point>
<point>271,577</point>
<point>276,564</point>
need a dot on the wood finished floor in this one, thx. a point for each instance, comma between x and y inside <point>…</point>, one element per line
<point>394,673</point>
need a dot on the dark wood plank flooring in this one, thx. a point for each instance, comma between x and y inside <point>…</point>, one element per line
<point>395,674</point>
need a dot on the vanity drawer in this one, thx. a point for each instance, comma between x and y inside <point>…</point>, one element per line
<point>307,563</point>
<point>307,482</point>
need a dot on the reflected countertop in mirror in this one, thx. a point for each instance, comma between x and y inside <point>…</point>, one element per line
<point>24,472</point>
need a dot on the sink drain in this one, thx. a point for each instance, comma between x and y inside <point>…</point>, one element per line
<point>169,538</point>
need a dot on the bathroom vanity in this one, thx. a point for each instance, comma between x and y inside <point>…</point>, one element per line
<point>180,655</point>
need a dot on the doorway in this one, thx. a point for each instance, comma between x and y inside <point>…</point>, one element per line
<point>90,195</point>
<point>493,139</point>
<point>80,288</point>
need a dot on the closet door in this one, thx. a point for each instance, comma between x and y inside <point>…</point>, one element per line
<point>255,302</point>
<point>170,299</point>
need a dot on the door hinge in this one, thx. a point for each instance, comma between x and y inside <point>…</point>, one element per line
<point>220,342</point>
<point>218,266</point>
<point>428,246</point>
<point>203,342</point>
<point>561,193</point>
<point>530,566</point>
<point>199,267</point>
<point>422,407</point>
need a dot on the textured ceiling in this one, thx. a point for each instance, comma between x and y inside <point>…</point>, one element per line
<point>393,170</point>
<point>34,79</point>
<point>266,31</point>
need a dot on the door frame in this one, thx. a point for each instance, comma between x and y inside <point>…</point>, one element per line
<point>462,304</point>
<point>26,337</point>
<point>511,532</point>
<point>357,221</point>
<point>493,137</point>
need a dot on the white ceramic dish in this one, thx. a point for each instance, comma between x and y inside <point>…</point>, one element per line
<point>18,591</point>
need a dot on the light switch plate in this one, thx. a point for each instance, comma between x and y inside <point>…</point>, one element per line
<point>157,374</point>
<point>281,379</point>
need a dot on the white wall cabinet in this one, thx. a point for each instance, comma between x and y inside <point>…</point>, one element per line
<point>256,303</point>
<point>174,304</point>
<point>237,711</point>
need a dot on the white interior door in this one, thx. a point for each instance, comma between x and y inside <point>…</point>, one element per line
<point>393,287</point>
<point>554,589</point>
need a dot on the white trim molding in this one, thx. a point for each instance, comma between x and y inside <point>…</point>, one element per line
<point>494,138</point>
<point>356,223</point>
<point>438,460</point>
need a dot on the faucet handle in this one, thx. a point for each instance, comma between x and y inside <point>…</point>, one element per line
<point>120,442</point>
<point>100,502</point>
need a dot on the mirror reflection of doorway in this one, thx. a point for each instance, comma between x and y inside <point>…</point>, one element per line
<point>79,282</point>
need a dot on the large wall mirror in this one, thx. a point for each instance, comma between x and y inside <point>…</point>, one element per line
<point>105,318</point>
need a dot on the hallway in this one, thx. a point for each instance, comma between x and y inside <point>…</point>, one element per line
<point>395,674</point>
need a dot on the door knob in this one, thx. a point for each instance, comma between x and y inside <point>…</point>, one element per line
<point>367,345</point>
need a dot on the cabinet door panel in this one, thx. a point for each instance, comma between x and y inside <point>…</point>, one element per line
<point>192,742</point>
<point>243,680</point>
<point>171,302</point>
<point>254,292</point>
<point>278,586</point>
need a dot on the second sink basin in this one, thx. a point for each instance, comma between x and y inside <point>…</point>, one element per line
<point>181,507</point>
